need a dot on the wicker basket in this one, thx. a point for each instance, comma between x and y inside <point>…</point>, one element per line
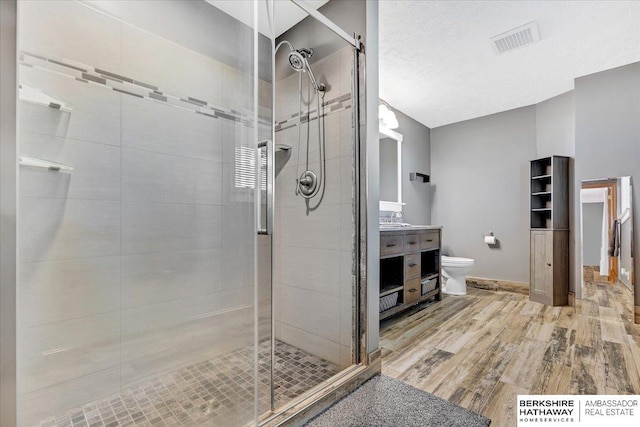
<point>429,285</point>
<point>388,301</point>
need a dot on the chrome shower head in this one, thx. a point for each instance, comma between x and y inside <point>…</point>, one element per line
<point>297,61</point>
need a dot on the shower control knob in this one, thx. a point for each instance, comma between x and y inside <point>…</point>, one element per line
<point>308,183</point>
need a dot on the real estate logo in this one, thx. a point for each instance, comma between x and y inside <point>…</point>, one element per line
<point>583,411</point>
<point>553,410</point>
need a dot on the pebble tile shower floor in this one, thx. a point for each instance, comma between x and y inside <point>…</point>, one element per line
<point>205,393</point>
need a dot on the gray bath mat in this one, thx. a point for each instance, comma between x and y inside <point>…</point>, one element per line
<point>386,402</point>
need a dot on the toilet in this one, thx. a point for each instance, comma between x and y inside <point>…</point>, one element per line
<point>454,270</point>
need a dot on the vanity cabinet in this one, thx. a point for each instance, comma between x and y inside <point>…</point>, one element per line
<point>409,268</point>
<point>549,214</point>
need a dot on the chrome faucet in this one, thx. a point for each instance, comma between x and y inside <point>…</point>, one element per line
<point>396,216</point>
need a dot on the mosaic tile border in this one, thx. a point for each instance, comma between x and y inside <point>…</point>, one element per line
<point>128,86</point>
<point>334,105</point>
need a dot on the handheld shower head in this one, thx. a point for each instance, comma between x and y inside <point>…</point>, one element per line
<point>298,61</point>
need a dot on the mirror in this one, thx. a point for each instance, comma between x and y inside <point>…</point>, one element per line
<point>390,170</point>
<point>607,237</point>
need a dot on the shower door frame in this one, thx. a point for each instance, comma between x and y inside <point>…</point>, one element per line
<point>8,210</point>
<point>361,364</point>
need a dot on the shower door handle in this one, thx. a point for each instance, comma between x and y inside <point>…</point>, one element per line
<point>268,145</point>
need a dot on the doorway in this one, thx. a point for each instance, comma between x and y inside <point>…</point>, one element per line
<point>606,231</point>
<point>600,212</point>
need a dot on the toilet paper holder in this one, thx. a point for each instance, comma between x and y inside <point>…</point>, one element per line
<point>490,239</point>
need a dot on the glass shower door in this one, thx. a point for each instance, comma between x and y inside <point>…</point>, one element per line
<point>138,131</point>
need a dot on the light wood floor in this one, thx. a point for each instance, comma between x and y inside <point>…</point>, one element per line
<point>481,350</point>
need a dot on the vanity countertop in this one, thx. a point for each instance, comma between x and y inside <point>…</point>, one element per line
<point>410,228</point>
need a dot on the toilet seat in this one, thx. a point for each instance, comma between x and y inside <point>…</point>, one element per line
<point>456,261</point>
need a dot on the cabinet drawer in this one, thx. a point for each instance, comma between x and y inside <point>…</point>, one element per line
<point>412,243</point>
<point>412,290</point>
<point>430,240</point>
<point>411,265</point>
<point>391,245</point>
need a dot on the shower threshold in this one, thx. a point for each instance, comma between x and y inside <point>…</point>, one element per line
<point>217,391</point>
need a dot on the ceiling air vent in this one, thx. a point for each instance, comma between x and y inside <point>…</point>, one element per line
<point>516,38</point>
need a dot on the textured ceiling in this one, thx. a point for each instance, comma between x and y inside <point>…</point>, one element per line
<point>437,64</point>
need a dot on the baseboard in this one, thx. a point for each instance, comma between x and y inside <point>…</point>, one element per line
<point>375,359</point>
<point>312,406</point>
<point>498,285</point>
<point>572,299</point>
<point>591,273</point>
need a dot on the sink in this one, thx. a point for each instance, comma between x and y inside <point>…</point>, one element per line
<point>394,225</point>
<point>404,226</point>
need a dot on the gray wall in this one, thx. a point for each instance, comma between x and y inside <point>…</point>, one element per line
<point>555,126</point>
<point>608,135</point>
<point>480,171</point>
<point>597,124</point>
<point>591,233</point>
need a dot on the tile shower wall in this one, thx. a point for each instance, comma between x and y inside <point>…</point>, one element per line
<point>313,248</point>
<point>126,269</point>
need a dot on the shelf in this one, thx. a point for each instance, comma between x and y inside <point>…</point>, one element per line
<point>430,276</point>
<point>413,176</point>
<point>36,96</point>
<point>389,290</point>
<point>541,177</point>
<point>541,210</point>
<point>542,193</point>
<point>282,147</point>
<point>392,256</point>
<point>393,310</point>
<point>430,294</point>
<point>43,163</point>
<point>429,250</point>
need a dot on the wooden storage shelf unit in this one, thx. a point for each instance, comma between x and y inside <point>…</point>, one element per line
<point>409,265</point>
<point>549,214</point>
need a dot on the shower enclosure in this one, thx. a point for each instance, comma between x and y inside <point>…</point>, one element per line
<point>187,212</point>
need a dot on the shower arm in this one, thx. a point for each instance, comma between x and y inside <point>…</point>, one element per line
<point>291,48</point>
<point>319,87</point>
